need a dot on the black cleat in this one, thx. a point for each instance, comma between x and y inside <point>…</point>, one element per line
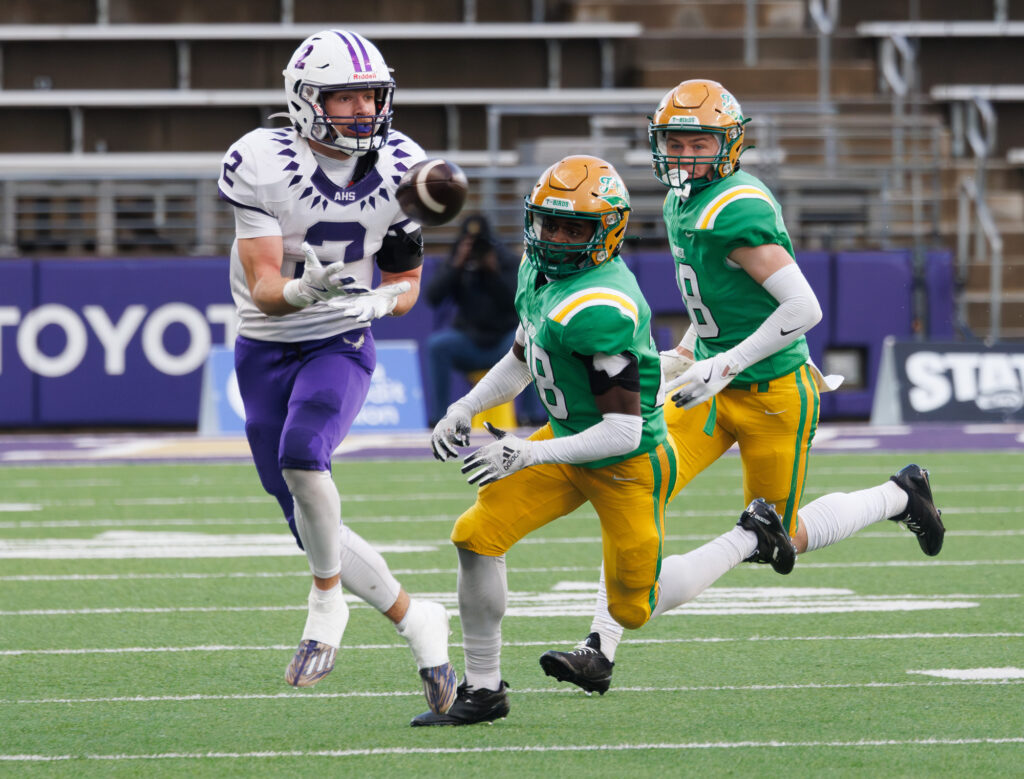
<point>921,517</point>
<point>472,705</point>
<point>584,666</point>
<point>773,543</point>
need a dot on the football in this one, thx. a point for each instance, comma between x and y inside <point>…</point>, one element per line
<point>432,192</point>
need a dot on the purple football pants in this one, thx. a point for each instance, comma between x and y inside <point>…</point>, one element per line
<point>300,400</point>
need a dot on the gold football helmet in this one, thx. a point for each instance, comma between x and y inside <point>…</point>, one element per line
<point>581,188</point>
<point>696,106</point>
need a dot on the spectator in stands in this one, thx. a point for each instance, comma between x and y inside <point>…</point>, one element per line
<point>304,353</point>
<point>478,281</point>
<point>753,382</point>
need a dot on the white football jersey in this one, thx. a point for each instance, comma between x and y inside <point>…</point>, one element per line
<point>274,172</point>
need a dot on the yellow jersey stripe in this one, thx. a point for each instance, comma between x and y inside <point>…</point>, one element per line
<point>706,221</point>
<point>595,296</point>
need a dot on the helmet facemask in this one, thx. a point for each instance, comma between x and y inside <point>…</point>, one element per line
<point>680,172</point>
<point>558,260</point>
<point>370,131</point>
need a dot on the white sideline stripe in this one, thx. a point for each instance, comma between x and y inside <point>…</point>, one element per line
<point>520,644</point>
<point>575,597</point>
<point>520,749</point>
<point>447,571</point>
<point>277,521</point>
<point>973,673</point>
<point>772,596</point>
<point>522,691</point>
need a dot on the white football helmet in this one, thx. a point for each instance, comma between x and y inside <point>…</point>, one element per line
<point>329,61</point>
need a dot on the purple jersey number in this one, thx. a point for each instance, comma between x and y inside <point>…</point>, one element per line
<point>350,233</point>
<point>232,168</point>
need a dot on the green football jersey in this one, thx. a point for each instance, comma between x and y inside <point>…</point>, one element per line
<point>726,305</point>
<point>598,311</point>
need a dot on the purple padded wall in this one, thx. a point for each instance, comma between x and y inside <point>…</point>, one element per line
<point>873,299</point>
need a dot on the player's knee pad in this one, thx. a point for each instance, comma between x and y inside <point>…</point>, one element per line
<point>308,439</point>
<point>636,566</point>
<point>631,614</point>
<point>472,535</point>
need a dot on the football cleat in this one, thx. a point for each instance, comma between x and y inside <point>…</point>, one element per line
<point>472,705</point>
<point>921,517</point>
<point>312,662</point>
<point>439,687</point>
<point>773,543</point>
<point>585,666</point>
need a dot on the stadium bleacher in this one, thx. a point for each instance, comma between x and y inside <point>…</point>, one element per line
<point>121,157</point>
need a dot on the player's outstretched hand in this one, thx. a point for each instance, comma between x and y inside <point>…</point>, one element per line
<point>451,432</point>
<point>368,306</point>
<point>702,381</point>
<point>501,457</point>
<point>319,283</point>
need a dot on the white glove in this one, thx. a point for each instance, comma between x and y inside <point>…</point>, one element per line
<point>673,364</point>
<point>319,283</point>
<point>450,432</point>
<point>496,460</point>
<point>371,305</point>
<point>703,380</point>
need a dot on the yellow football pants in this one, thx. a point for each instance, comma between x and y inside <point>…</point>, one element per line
<point>630,498</point>
<point>773,422</point>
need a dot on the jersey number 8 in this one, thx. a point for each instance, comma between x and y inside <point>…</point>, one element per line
<point>704,323</point>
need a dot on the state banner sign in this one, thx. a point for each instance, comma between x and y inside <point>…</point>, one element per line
<point>949,382</point>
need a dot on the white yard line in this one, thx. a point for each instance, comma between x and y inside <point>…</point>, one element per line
<point>450,570</point>
<point>553,642</point>
<point>522,691</point>
<point>549,748</point>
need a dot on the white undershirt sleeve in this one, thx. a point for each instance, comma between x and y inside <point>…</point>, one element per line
<point>250,223</point>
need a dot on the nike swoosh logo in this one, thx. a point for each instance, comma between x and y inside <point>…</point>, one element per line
<point>774,413</point>
<point>788,332</point>
<point>708,379</point>
<point>624,478</point>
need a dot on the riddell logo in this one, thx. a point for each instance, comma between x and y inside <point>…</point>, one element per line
<point>371,76</point>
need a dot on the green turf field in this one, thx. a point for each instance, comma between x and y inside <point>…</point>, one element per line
<point>125,660</point>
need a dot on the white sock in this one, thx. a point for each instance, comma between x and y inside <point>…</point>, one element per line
<point>426,630</point>
<point>327,617</point>
<point>607,628</point>
<point>839,515</point>
<point>367,575</point>
<point>483,593</point>
<point>317,518</point>
<point>684,577</point>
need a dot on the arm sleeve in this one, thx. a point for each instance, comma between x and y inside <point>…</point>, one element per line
<point>797,313</point>
<point>614,435</point>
